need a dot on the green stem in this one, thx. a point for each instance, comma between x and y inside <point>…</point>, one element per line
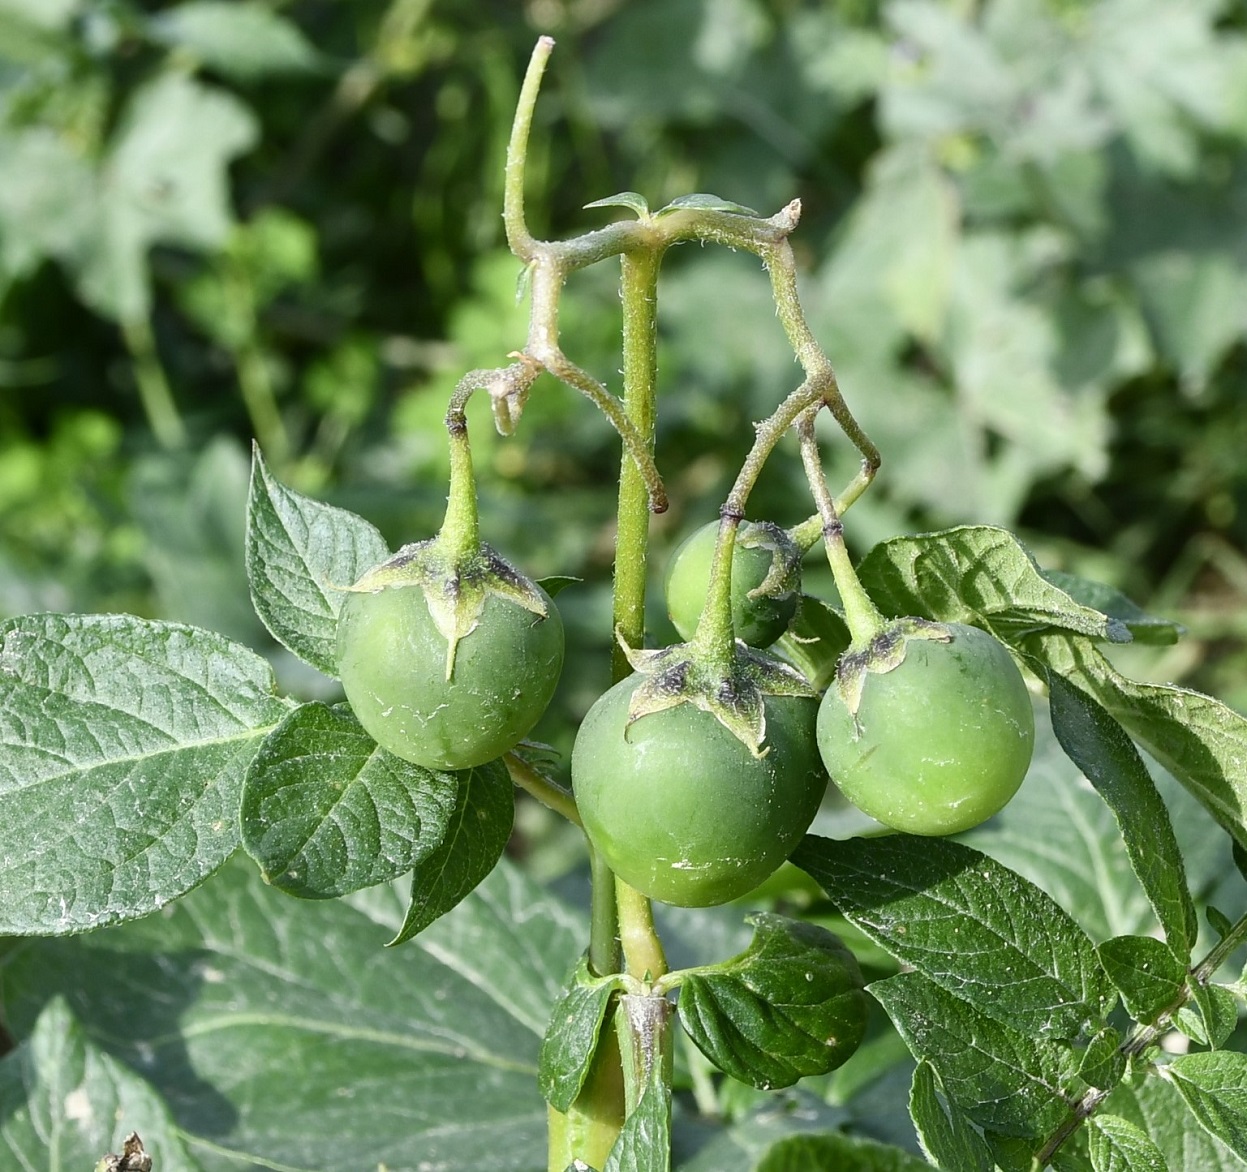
<point>643,953</point>
<point>548,793</point>
<point>604,952</point>
<point>154,393</point>
<point>261,403</point>
<point>715,637</point>
<point>519,239</point>
<point>638,295</point>
<point>862,616</point>
<point>1144,1036</point>
<point>460,536</point>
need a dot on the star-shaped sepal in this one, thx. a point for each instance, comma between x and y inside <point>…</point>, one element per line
<point>734,695</point>
<point>783,579</point>
<point>455,590</point>
<point>883,653</point>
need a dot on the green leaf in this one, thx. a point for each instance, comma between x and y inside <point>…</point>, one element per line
<point>571,1041</point>
<point>980,575</point>
<point>644,1144</point>
<point>968,924</point>
<point>1144,627</point>
<point>1212,1018</point>
<point>789,1006</point>
<point>704,203</point>
<point>244,41</point>
<point>326,811</point>
<point>286,1036</point>
<point>46,204</point>
<point>1099,746</point>
<point>1201,741</point>
<point>1000,1077</point>
<point>834,1152</point>
<point>1155,1106</point>
<point>1102,1063</point>
<point>740,1147</point>
<point>557,583</point>
<point>1145,972</point>
<point>300,556</point>
<point>476,834</point>
<point>815,640</point>
<point>1214,1086</point>
<point>65,1103</point>
<point>164,180</point>
<point>947,1137</point>
<point>1117,1145</point>
<point>123,747</point>
<point>623,199</point>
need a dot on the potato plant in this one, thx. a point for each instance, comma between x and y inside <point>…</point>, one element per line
<point>168,1008</point>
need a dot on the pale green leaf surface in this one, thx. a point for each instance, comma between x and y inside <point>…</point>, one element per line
<point>1117,1145</point>
<point>475,835</point>
<point>740,1147</point>
<point>623,199</point>
<point>164,180</point>
<point>65,1103</point>
<point>702,202</point>
<point>1214,1085</point>
<point>45,200</point>
<point>968,924</point>
<point>1201,741</point>
<point>1211,1017</point>
<point>1154,1105</point>
<point>244,40</point>
<point>1059,833</point>
<point>1001,1078</point>
<point>284,1035</point>
<point>135,734</point>
<point>325,810</point>
<point>300,555</point>
<point>946,1135</point>
<point>1146,628</point>
<point>980,575</point>
<point>1109,760</point>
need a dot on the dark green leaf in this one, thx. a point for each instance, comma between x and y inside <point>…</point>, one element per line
<point>243,40</point>
<point>980,575</point>
<point>557,583</point>
<point>300,556</point>
<point>1146,628</point>
<point>326,811</point>
<point>476,835</point>
<point>946,1134</point>
<point>834,1152</point>
<point>1218,921</point>
<point>1001,1078</point>
<point>1117,1145</point>
<point>1212,1017</point>
<point>123,747</point>
<point>1214,1086</point>
<point>284,1035</point>
<point>815,640</point>
<point>969,924</point>
<point>789,1006</point>
<point>1201,741</point>
<point>1146,973</point>
<point>65,1103</point>
<point>571,1041</point>
<point>705,203</point>
<point>1099,746</point>
<point>623,199</point>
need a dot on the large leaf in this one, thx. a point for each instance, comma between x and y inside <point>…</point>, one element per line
<point>242,40</point>
<point>123,746</point>
<point>1201,741</point>
<point>789,1006</point>
<point>979,575</point>
<point>300,555</point>
<point>326,810</point>
<point>1109,760</point>
<point>968,924</point>
<point>165,179</point>
<point>1002,1078</point>
<point>1155,1106</point>
<point>283,1034</point>
<point>65,1103</point>
<point>1146,628</point>
<point>740,1147</point>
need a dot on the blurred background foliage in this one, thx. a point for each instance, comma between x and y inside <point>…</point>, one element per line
<point>1023,241</point>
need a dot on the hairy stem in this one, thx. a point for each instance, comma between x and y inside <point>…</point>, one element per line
<point>547,792</point>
